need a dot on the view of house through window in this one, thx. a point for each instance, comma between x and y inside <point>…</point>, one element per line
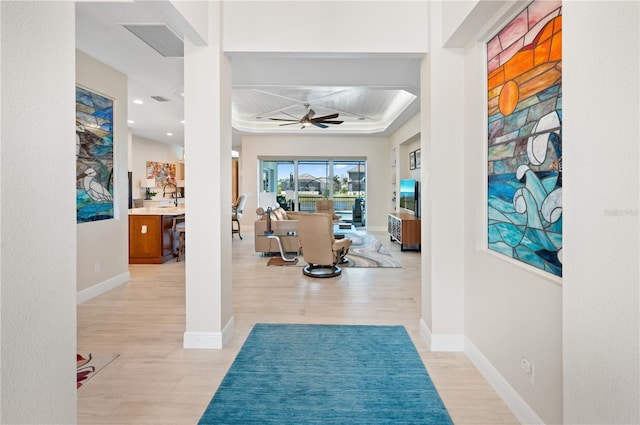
<point>298,184</point>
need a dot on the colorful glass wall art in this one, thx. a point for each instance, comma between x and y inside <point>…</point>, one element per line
<point>524,87</point>
<point>94,156</point>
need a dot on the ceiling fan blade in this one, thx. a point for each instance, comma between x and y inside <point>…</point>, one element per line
<point>310,114</point>
<point>326,117</point>
<point>289,123</point>
<point>283,119</point>
<point>292,116</point>
<point>332,122</point>
<point>317,124</point>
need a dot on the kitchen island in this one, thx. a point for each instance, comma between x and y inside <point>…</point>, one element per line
<point>151,237</point>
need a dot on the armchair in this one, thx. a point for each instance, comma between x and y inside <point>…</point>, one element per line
<point>320,249</point>
<point>325,206</point>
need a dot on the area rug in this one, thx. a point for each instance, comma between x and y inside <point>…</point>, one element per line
<point>367,251</point>
<point>326,374</point>
<point>88,364</point>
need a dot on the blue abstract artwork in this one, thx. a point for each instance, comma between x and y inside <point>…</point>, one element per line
<point>94,156</point>
<point>524,82</point>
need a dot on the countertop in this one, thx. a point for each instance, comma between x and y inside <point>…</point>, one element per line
<point>164,210</point>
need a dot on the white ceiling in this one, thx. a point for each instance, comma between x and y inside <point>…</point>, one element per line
<point>372,94</point>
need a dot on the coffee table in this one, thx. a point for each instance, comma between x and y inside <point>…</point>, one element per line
<point>341,229</point>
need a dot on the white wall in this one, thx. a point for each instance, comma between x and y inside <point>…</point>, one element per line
<point>316,26</point>
<point>510,310</point>
<point>37,213</point>
<point>143,150</point>
<point>601,285</point>
<point>103,246</point>
<point>374,149</point>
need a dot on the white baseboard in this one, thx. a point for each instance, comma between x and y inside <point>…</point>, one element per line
<point>209,340</point>
<point>102,287</point>
<point>425,332</point>
<point>439,342</point>
<point>521,410</point>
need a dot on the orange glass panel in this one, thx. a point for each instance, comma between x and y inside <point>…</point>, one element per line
<point>557,24</point>
<point>518,64</point>
<point>546,32</point>
<point>541,53</point>
<point>556,47</point>
<point>495,81</point>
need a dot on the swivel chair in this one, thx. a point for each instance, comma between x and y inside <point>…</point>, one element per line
<point>320,249</point>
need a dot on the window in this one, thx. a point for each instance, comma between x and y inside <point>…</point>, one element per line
<point>298,184</point>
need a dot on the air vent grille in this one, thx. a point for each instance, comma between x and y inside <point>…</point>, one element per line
<point>159,37</point>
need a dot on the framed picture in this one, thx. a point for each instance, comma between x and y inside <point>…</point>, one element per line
<point>417,154</point>
<point>412,160</point>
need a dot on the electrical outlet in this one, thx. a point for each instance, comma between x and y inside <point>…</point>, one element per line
<point>528,369</point>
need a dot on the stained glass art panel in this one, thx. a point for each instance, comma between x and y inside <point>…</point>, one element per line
<point>524,92</point>
<point>94,156</point>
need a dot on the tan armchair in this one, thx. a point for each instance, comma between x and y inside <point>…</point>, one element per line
<point>320,249</point>
<point>236,214</point>
<point>325,206</point>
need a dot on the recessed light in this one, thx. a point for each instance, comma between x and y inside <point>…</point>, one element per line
<point>138,102</point>
<point>182,122</point>
<point>169,134</point>
<point>131,122</point>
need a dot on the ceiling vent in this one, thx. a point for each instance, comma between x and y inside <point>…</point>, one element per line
<point>159,37</point>
<point>160,98</point>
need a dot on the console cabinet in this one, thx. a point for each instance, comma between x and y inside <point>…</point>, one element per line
<point>405,229</point>
<point>150,239</point>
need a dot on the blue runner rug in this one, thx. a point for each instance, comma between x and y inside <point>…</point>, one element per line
<point>326,374</point>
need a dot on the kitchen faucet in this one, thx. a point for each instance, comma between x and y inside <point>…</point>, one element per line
<point>175,194</point>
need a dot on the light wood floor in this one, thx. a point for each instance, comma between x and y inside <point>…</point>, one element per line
<point>156,381</point>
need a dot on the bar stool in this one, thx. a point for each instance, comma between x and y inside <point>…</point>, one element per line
<point>179,227</point>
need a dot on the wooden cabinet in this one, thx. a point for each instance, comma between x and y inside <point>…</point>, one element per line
<point>150,239</point>
<point>405,229</point>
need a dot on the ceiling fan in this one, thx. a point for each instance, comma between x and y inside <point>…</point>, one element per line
<point>308,119</point>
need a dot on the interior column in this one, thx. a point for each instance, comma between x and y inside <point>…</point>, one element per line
<point>442,186</point>
<point>207,97</point>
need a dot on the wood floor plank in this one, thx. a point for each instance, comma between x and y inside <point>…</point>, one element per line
<point>156,381</point>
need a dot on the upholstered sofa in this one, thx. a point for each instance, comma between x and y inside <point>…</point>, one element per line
<point>281,222</point>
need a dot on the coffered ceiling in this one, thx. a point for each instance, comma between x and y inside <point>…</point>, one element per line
<point>372,94</point>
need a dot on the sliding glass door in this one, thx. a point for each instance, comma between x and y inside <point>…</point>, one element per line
<point>298,184</point>
<point>313,183</point>
<point>349,182</point>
